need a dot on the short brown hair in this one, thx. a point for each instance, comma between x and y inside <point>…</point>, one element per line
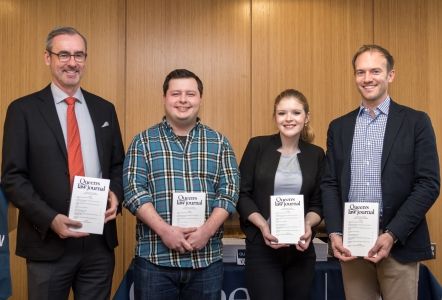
<point>179,74</point>
<point>383,51</point>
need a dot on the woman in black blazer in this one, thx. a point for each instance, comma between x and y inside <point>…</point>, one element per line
<point>284,163</point>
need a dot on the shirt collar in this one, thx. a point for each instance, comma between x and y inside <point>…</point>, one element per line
<point>59,95</point>
<point>383,108</point>
<point>169,128</point>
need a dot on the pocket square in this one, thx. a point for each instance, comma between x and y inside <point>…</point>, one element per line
<point>105,124</point>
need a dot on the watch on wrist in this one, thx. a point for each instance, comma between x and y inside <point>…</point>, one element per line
<point>334,233</point>
<point>395,239</point>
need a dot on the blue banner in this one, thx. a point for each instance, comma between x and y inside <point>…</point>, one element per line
<point>5,274</point>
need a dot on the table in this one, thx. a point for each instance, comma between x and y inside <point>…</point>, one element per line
<point>327,283</point>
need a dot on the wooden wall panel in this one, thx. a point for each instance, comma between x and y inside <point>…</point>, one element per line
<point>245,51</point>
<point>23,30</point>
<point>434,92</point>
<point>306,45</point>
<point>412,32</point>
<point>210,38</point>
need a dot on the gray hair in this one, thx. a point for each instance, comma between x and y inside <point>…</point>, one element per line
<point>60,31</point>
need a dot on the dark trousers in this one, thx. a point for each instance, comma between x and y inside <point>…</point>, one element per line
<point>281,274</point>
<point>86,266</point>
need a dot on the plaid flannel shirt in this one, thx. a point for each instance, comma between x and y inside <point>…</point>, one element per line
<point>158,164</point>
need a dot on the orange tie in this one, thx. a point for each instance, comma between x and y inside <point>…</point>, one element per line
<point>75,159</point>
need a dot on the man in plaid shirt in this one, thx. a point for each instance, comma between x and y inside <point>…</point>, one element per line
<point>179,155</point>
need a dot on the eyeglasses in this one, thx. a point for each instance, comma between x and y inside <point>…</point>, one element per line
<point>64,56</point>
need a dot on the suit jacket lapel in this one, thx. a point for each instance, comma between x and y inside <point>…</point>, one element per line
<point>394,122</point>
<point>272,156</point>
<point>303,163</point>
<point>49,113</point>
<point>348,130</point>
<point>96,120</point>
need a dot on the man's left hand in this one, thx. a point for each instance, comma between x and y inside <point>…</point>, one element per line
<point>112,207</point>
<point>199,238</point>
<point>381,249</point>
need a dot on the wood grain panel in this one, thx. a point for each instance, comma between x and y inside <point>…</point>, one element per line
<point>306,45</point>
<point>245,51</point>
<point>210,38</point>
<point>23,30</point>
<point>411,31</point>
<point>435,111</point>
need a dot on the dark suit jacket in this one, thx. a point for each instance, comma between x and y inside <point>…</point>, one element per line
<point>409,178</point>
<point>258,168</point>
<point>35,173</point>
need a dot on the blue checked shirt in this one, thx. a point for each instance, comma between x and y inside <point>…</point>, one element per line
<point>157,164</point>
<point>366,155</point>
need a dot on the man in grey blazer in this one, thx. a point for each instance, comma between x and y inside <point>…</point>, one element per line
<point>37,179</point>
<point>386,153</point>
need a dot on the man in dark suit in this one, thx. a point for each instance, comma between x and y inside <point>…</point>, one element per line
<point>386,153</point>
<point>37,177</point>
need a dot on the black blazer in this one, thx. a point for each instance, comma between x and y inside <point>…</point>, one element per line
<point>35,173</point>
<point>409,177</point>
<point>258,168</point>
